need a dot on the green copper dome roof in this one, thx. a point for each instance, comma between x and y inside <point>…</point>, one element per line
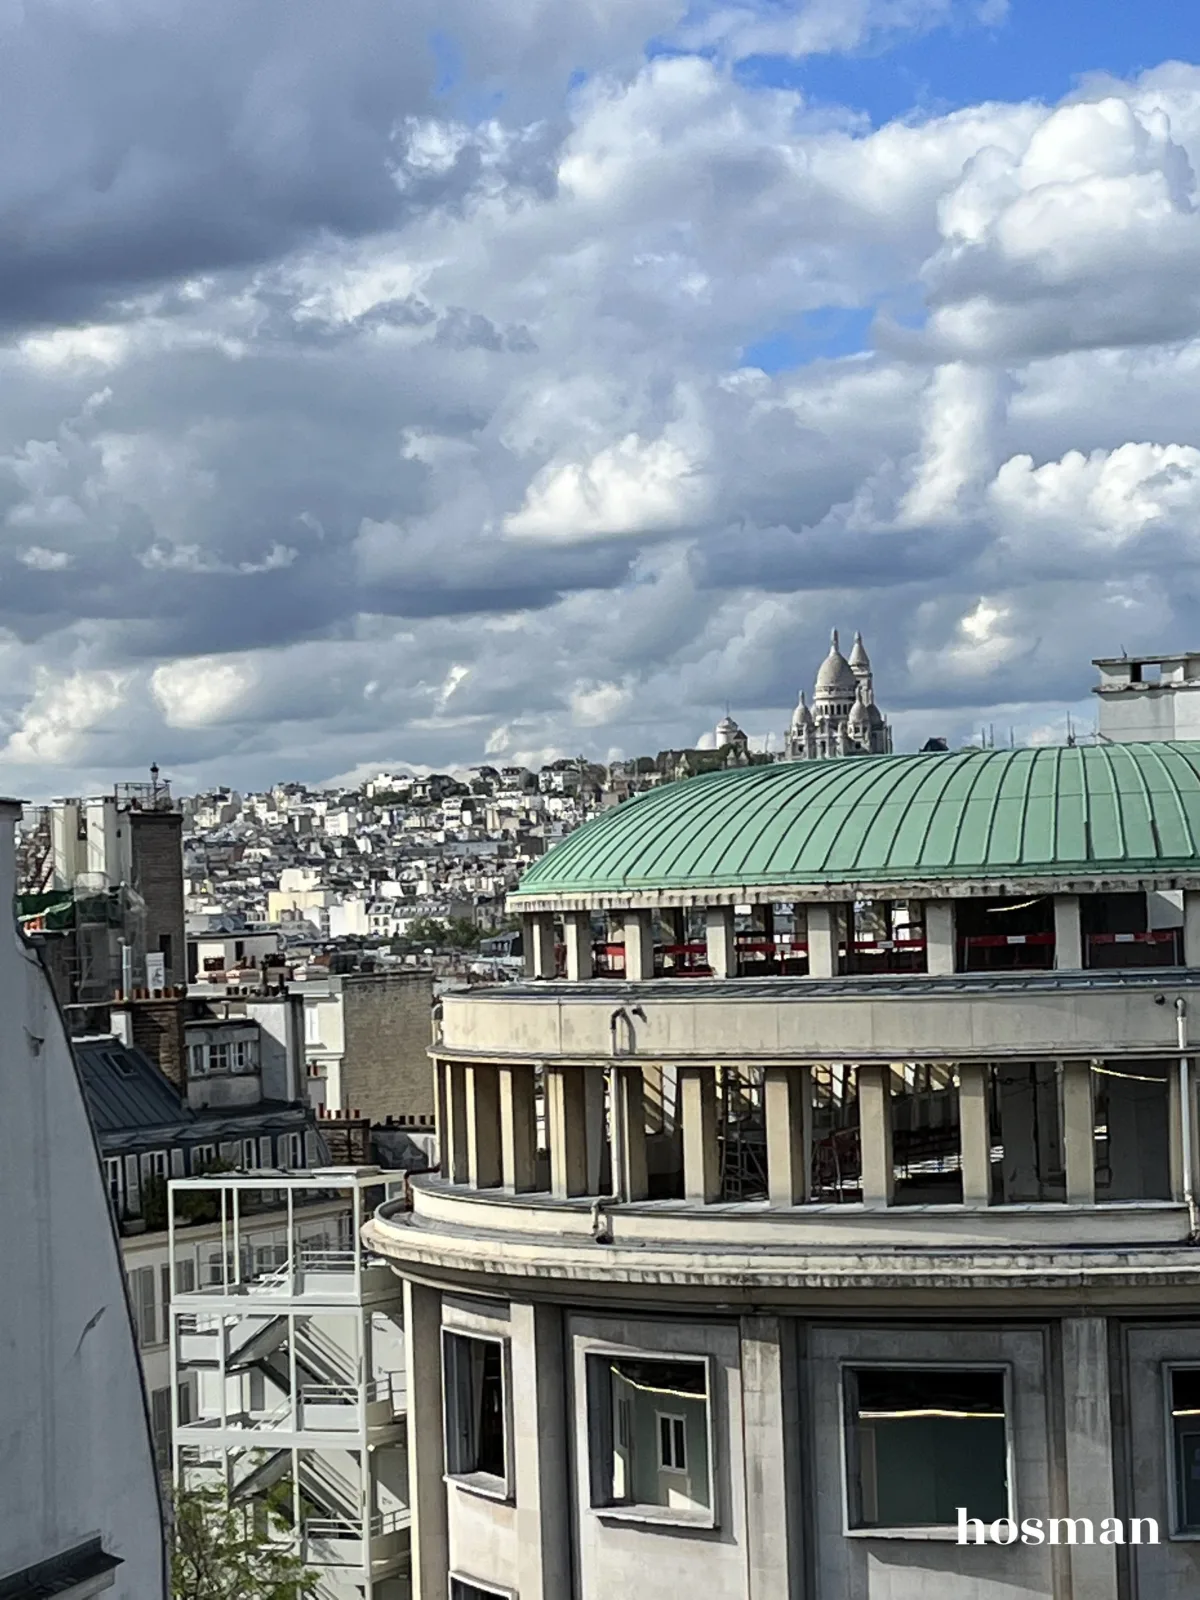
<point>1089,811</point>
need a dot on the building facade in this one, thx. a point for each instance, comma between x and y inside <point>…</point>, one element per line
<point>741,1277</point>
<point>1149,697</point>
<point>843,719</point>
<point>81,1509</point>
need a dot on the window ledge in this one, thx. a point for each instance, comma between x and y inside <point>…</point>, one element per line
<point>946,1535</point>
<point>656,1516</point>
<point>480,1483</point>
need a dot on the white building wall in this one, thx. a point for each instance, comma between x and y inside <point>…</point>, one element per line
<point>73,1416</point>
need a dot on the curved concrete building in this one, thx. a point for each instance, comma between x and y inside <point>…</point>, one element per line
<point>830,1178</point>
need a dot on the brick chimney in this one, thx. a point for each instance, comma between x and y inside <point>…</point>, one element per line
<point>155,1026</point>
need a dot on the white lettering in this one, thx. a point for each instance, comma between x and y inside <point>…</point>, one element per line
<point>1058,1530</point>
<point>970,1529</point>
<point>1073,1526</point>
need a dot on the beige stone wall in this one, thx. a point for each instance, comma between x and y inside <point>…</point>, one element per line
<point>386,1070</point>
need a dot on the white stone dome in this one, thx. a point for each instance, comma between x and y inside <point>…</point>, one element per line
<point>835,677</point>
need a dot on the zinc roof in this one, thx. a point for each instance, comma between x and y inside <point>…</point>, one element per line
<point>1108,810</point>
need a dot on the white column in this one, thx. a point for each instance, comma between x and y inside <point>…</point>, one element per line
<point>596,1129</point>
<point>1078,1132</point>
<point>630,1110</point>
<point>722,951</point>
<point>518,1129</point>
<point>771,1421</point>
<point>701,1164</point>
<point>541,1471</point>
<point>939,936</point>
<point>1191,927</point>
<point>1068,935</point>
<point>428,1532</point>
<point>639,945</point>
<point>577,929</point>
<point>975,1133</point>
<point>787,1096</point>
<point>455,1167</point>
<point>823,929</point>
<point>1089,1450</point>
<point>538,942</point>
<point>875,1134</point>
<point>483,1126</point>
<point>567,1123</point>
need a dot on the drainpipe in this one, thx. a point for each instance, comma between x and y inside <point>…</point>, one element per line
<point>1185,1116</point>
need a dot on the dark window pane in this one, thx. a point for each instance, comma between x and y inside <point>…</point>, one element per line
<point>925,1443</point>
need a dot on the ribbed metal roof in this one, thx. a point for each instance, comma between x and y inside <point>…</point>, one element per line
<point>1088,811</point>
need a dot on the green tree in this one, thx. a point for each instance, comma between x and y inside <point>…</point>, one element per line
<point>218,1552</point>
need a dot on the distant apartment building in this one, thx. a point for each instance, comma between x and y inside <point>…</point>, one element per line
<point>101,882</point>
<point>367,1038</point>
<point>81,1512</point>
<point>1149,697</point>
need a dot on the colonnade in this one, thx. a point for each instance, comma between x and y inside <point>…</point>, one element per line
<point>823,922</point>
<point>594,1127</point>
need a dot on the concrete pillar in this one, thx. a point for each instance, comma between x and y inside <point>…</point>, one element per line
<point>428,1531</point>
<point>541,1471</point>
<point>455,1162</point>
<point>701,1158</point>
<point>577,931</point>
<point>722,951</point>
<point>639,946</point>
<point>875,1134</point>
<point>630,1110</point>
<point>787,1096</point>
<point>566,1116</point>
<point>1068,934</point>
<point>824,926</point>
<point>596,1131</point>
<point>1078,1132</point>
<point>1191,927</point>
<point>518,1129</point>
<point>770,1421</point>
<point>537,935</point>
<point>940,937</point>
<point>974,1132</point>
<point>1087,1397</point>
<point>483,1126</point>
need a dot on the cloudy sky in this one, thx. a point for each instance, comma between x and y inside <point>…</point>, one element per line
<point>434,381</point>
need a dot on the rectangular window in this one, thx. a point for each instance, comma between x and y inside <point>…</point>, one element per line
<point>920,1442</point>
<point>197,1060</point>
<point>218,1058</point>
<point>141,1292</point>
<point>650,1436</point>
<point>672,1443</point>
<point>463,1589</point>
<point>1185,1435</point>
<point>476,1410</point>
<point>160,1419</point>
<point>249,1154</point>
<point>112,1177</point>
<point>185,1277</point>
<point>243,1055</point>
<point>203,1156</point>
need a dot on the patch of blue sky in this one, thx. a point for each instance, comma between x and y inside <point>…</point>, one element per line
<point>447,62</point>
<point>1041,51</point>
<point>829,332</point>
